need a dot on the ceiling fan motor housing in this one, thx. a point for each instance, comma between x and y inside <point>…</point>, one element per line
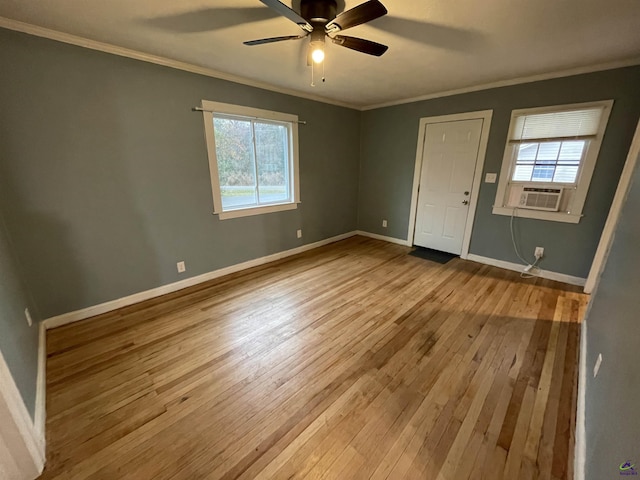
<point>318,20</point>
<point>318,11</point>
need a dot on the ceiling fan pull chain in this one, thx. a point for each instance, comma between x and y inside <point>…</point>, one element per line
<point>312,69</point>
<point>323,64</point>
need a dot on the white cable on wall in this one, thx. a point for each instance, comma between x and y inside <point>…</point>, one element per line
<point>532,269</point>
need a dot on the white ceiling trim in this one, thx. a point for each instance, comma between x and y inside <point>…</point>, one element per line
<point>35,30</point>
<point>38,31</point>
<point>514,81</point>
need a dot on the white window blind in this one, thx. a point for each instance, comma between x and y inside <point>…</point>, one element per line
<point>561,125</point>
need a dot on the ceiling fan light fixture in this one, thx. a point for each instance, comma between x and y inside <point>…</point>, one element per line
<point>317,45</point>
<point>317,53</point>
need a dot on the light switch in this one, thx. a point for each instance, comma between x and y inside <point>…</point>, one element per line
<point>491,178</point>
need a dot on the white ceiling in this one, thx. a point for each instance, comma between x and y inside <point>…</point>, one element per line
<point>435,45</point>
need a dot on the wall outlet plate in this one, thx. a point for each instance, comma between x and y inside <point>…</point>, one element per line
<point>539,252</point>
<point>490,178</point>
<point>181,267</point>
<point>299,233</point>
<point>28,315</point>
<point>384,223</point>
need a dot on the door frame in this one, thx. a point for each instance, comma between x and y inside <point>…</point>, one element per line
<point>22,448</point>
<point>486,116</point>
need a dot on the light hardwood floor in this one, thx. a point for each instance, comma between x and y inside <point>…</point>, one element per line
<point>353,360</point>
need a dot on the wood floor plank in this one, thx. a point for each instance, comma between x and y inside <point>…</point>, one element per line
<point>544,385</point>
<point>350,361</point>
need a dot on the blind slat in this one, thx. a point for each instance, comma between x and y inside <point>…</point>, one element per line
<point>553,139</point>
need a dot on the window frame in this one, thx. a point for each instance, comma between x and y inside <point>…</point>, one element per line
<point>209,110</point>
<point>581,187</point>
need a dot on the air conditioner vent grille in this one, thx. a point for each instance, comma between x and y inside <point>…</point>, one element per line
<point>541,200</point>
<point>536,198</point>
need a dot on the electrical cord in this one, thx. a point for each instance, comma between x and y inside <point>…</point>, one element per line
<point>532,269</point>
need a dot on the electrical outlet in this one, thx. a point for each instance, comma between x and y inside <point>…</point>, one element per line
<point>28,315</point>
<point>181,267</point>
<point>596,367</point>
<point>539,253</point>
<point>299,233</point>
<point>384,223</point>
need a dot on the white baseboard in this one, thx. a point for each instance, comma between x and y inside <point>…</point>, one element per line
<point>516,267</point>
<point>580,453</point>
<point>28,455</point>
<point>384,238</point>
<point>92,311</point>
<point>40,415</point>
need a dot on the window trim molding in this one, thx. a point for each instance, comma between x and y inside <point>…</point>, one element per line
<point>585,174</point>
<point>226,108</point>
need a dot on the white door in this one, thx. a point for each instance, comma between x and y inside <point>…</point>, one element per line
<point>448,165</point>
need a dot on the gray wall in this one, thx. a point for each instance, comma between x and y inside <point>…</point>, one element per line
<point>18,341</point>
<point>104,169</point>
<point>613,329</point>
<point>388,151</point>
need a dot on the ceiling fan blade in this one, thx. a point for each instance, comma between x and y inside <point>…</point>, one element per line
<point>360,45</point>
<point>363,13</point>
<point>262,41</point>
<point>285,11</point>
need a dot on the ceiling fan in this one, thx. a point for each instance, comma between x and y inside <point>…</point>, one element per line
<point>319,20</point>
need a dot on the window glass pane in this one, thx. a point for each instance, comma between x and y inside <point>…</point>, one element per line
<point>548,152</point>
<point>571,151</point>
<point>566,174</point>
<point>236,166</point>
<point>272,148</point>
<point>549,161</point>
<point>543,173</point>
<point>527,152</point>
<point>522,173</point>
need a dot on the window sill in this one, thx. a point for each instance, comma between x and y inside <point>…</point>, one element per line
<point>538,214</point>
<point>247,212</point>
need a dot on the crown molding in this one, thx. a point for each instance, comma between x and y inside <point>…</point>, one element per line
<point>58,36</point>
<point>514,81</point>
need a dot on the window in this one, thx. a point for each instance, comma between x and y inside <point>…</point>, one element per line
<point>550,156</point>
<point>555,162</point>
<point>253,159</point>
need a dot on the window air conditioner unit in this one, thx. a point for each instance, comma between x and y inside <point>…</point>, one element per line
<point>534,198</point>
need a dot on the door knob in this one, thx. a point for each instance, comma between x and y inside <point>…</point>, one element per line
<point>466,193</point>
<point>465,202</point>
